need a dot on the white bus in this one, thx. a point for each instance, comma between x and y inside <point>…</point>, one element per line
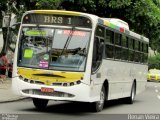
<point>74,56</point>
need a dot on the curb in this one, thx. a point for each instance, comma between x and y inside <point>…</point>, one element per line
<point>13,100</point>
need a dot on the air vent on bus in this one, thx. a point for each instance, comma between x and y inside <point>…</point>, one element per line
<point>54,94</point>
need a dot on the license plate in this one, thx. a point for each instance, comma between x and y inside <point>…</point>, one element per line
<point>47,90</point>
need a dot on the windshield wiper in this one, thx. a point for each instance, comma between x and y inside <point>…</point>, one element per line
<point>67,41</point>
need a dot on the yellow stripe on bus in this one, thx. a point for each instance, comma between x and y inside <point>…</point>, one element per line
<point>59,12</point>
<point>49,77</point>
<point>107,23</point>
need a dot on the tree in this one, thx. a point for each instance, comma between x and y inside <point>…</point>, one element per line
<point>143,16</point>
<point>154,62</point>
<point>48,4</point>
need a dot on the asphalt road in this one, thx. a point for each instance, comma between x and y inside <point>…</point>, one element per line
<point>147,102</point>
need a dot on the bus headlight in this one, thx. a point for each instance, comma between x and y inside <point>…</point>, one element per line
<point>25,80</point>
<point>20,77</point>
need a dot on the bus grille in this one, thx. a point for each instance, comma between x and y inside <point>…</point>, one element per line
<point>64,84</point>
<point>54,94</point>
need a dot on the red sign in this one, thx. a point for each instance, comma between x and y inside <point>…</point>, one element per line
<point>47,90</point>
<point>75,33</point>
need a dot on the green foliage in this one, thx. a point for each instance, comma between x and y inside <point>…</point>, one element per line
<point>48,4</point>
<point>154,62</point>
<point>143,16</point>
<point>119,3</point>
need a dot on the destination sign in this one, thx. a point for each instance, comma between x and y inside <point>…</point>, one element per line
<point>50,19</point>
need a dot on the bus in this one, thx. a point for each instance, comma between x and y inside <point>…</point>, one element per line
<point>75,56</point>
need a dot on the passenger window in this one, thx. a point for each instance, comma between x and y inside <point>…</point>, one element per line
<point>145,57</point>
<point>124,41</point>
<point>142,47</point>
<point>131,43</point>
<point>100,31</point>
<point>117,39</point>
<point>136,45</point>
<point>146,48</point>
<point>131,55</point>
<point>109,50</point>
<point>109,37</point>
<point>117,53</point>
<point>124,53</point>
<point>137,57</point>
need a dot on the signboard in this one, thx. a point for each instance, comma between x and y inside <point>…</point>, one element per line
<point>50,19</point>
<point>28,53</point>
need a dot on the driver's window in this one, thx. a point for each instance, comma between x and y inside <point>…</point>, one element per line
<point>98,48</point>
<point>95,53</point>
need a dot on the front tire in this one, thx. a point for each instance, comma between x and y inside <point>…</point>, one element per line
<point>98,106</point>
<point>40,104</point>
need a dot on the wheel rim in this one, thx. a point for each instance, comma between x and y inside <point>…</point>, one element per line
<point>101,102</point>
<point>133,93</point>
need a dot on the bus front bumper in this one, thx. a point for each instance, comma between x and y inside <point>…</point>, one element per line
<point>80,92</point>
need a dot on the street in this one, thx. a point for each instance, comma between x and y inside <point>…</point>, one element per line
<point>147,102</point>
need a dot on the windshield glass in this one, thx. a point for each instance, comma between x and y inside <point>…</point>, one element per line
<point>49,48</point>
<point>154,71</point>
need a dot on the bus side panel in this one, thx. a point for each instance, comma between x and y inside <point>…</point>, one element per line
<point>120,76</point>
<point>15,86</point>
<point>141,80</point>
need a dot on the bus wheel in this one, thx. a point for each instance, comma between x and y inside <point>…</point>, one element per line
<point>40,104</point>
<point>130,99</point>
<point>98,106</point>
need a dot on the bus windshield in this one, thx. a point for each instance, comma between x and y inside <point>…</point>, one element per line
<point>53,48</point>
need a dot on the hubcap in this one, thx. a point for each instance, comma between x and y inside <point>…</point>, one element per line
<point>133,93</point>
<point>101,102</point>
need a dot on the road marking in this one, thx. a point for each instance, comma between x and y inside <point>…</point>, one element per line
<point>158,96</point>
<point>156,91</point>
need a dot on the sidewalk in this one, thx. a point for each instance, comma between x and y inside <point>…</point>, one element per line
<point>6,94</point>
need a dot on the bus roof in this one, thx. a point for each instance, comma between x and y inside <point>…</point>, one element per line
<point>61,12</point>
<point>109,22</point>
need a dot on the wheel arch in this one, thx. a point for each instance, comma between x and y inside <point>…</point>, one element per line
<point>135,82</point>
<point>106,86</point>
